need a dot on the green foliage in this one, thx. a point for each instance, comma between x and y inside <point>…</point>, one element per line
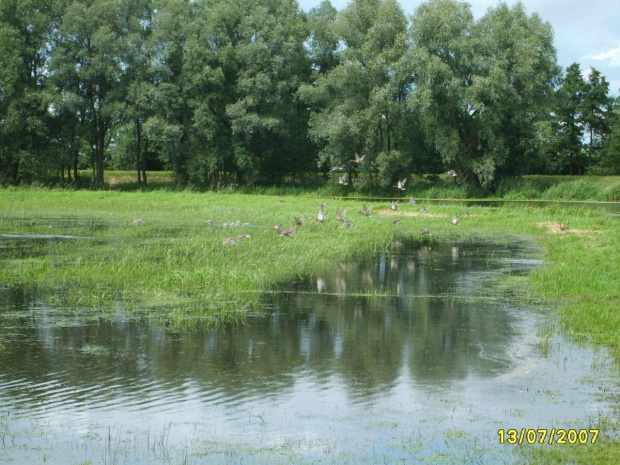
<point>612,193</point>
<point>483,87</point>
<point>259,92</point>
<point>582,189</point>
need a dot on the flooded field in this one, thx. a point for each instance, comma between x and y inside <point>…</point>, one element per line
<point>419,354</point>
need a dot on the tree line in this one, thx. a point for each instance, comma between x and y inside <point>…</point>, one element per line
<point>259,91</point>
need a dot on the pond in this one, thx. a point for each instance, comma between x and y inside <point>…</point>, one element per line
<point>419,354</point>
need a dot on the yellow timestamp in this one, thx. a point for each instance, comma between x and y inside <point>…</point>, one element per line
<point>547,436</point>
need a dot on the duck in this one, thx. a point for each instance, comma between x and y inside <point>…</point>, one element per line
<point>299,221</point>
<point>401,184</point>
<point>359,160</point>
<point>412,201</point>
<point>289,232</point>
<point>394,206</point>
<point>423,209</point>
<point>346,224</point>
<point>138,221</point>
<point>209,222</point>
<point>321,216</point>
<point>335,168</point>
<point>339,215</point>
<point>344,180</point>
<point>455,220</point>
<point>425,232</point>
<point>278,227</point>
<point>397,220</point>
<point>366,211</point>
<point>232,240</point>
<point>451,174</point>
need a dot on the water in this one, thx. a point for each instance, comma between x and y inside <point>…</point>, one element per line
<point>419,354</point>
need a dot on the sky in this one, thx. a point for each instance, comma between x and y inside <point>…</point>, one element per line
<point>585,32</point>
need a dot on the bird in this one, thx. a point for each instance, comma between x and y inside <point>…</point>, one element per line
<point>230,240</point>
<point>366,211</point>
<point>401,184</point>
<point>412,201</point>
<point>397,220</point>
<point>455,220</point>
<point>299,221</point>
<point>339,215</point>
<point>425,232</point>
<point>359,160</point>
<point>423,209</point>
<point>321,216</point>
<point>209,222</point>
<point>346,224</point>
<point>465,213</point>
<point>289,232</point>
<point>138,221</point>
<point>335,168</point>
<point>344,180</point>
<point>394,206</point>
<point>322,205</point>
<point>451,174</point>
<point>278,227</point>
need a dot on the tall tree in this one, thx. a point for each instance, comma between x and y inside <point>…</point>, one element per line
<point>25,33</point>
<point>358,106</point>
<point>596,109</point>
<point>88,64</point>
<point>568,144</point>
<point>484,88</point>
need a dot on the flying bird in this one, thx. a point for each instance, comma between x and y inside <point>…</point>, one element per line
<point>366,211</point>
<point>344,180</point>
<point>359,160</point>
<point>401,184</point>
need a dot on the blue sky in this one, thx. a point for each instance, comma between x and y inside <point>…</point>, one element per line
<point>585,32</point>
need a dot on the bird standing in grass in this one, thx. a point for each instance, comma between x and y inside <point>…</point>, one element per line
<point>288,232</point>
<point>455,220</point>
<point>397,220</point>
<point>346,224</point>
<point>425,232</point>
<point>412,201</point>
<point>299,221</point>
<point>339,215</point>
<point>394,206</point>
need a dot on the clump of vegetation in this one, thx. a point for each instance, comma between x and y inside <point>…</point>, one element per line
<point>612,193</point>
<point>581,189</point>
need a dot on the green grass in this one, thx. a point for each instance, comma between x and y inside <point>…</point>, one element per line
<point>175,267</point>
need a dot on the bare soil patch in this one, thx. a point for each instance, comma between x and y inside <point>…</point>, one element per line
<point>560,228</point>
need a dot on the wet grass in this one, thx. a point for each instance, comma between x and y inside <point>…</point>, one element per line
<point>173,266</point>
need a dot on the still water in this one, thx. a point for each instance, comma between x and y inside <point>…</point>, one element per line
<point>419,354</point>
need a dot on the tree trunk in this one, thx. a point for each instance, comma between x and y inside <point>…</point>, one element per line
<point>99,159</point>
<point>138,127</point>
<point>146,149</point>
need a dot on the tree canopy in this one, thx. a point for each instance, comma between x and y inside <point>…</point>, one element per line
<point>259,91</point>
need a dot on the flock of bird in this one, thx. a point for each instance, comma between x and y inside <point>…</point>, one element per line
<point>321,216</point>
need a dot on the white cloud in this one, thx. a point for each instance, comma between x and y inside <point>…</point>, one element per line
<point>612,55</point>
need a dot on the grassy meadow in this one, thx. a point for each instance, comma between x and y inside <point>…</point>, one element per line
<point>174,266</point>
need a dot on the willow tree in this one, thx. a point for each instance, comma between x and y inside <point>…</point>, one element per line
<point>358,106</point>
<point>484,88</point>
<point>88,64</point>
<point>25,34</point>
